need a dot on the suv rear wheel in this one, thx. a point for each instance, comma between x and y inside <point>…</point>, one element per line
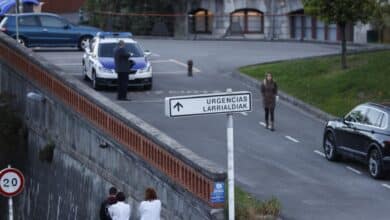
<point>375,164</point>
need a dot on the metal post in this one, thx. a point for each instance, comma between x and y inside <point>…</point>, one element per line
<point>190,64</point>
<point>20,6</point>
<point>273,18</point>
<point>10,209</point>
<point>230,162</point>
<point>10,206</point>
<point>17,2</point>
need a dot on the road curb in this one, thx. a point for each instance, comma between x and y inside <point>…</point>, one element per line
<point>324,116</point>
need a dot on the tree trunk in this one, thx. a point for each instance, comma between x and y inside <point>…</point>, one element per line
<point>343,45</point>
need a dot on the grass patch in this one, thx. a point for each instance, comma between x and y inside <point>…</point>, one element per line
<point>322,83</point>
<point>249,208</point>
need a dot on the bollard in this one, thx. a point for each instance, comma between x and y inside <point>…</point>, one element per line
<point>190,64</point>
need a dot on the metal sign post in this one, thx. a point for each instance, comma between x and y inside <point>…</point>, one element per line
<point>10,209</point>
<point>17,2</point>
<point>10,206</point>
<point>11,184</point>
<point>230,162</point>
<point>18,9</point>
<point>217,103</point>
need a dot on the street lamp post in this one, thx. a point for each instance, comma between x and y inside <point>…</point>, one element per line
<point>18,9</point>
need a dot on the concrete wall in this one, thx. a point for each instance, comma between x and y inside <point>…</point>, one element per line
<point>75,182</point>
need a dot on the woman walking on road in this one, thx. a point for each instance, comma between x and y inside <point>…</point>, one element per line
<point>269,90</point>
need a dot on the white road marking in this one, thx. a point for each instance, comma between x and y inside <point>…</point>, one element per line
<point>172,72</point>
<point>156,55</point>
<point>386,185</point>
<point>354,170</point>
<point>319,153</point>
<point>292,139</point>
<point>159,92</point>
<point>262,123</point>
<point>196,70</point>
<point>160,61</point>
<point>244,113</point>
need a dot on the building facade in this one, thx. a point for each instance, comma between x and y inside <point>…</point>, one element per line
<point>266,19</point>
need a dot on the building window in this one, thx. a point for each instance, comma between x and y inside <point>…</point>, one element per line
<point>306,27</point>
<point>201,21</point>
<point>249,20</point>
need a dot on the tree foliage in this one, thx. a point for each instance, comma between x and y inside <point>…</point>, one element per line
<point>342,12</point>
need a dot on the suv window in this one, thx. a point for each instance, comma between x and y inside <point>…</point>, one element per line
<point>374,117</point>
<point>28,21</point>
<point>50,21</point>
<point>385,121</point>
<point>357,115</point>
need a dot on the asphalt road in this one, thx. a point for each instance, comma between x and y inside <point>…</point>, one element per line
<point>287,163</point>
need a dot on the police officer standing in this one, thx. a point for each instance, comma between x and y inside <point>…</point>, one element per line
<point>122,67</point>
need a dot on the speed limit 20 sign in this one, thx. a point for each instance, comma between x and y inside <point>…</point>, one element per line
<point>11,182</point>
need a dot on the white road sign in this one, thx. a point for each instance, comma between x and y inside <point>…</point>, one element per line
<point>11,182</point>
<point>215,103</point>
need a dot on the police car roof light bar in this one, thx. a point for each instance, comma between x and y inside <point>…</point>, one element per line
<point>114,35</point>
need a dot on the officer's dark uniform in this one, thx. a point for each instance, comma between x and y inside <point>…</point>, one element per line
<point>122,68</point>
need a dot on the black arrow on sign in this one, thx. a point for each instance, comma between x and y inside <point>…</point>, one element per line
<point>178,105</point>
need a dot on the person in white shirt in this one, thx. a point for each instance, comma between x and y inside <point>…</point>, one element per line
<point>120,210</point>
<point>150,209</point>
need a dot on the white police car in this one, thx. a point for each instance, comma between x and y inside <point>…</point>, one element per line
<point>99,66</point>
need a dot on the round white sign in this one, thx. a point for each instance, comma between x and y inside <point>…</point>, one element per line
<point>11,182</point>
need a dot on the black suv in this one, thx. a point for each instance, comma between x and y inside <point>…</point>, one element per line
<point>363,134</point>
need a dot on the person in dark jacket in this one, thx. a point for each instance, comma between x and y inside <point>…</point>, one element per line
<point>269,90</point>
<point>110,200</point>
<point>122,68</point>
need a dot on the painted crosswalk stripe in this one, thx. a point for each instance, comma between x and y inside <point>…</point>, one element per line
<point>319,153</point>
<point>386,185</point>
<point>292,139</point>
<point>354,170</point>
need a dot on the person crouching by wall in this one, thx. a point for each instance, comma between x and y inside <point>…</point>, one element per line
<point>150,209</point>
<point>269,91</point>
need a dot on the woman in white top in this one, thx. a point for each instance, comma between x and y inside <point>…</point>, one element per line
<point>120,210</point>
<point>150,209</point>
